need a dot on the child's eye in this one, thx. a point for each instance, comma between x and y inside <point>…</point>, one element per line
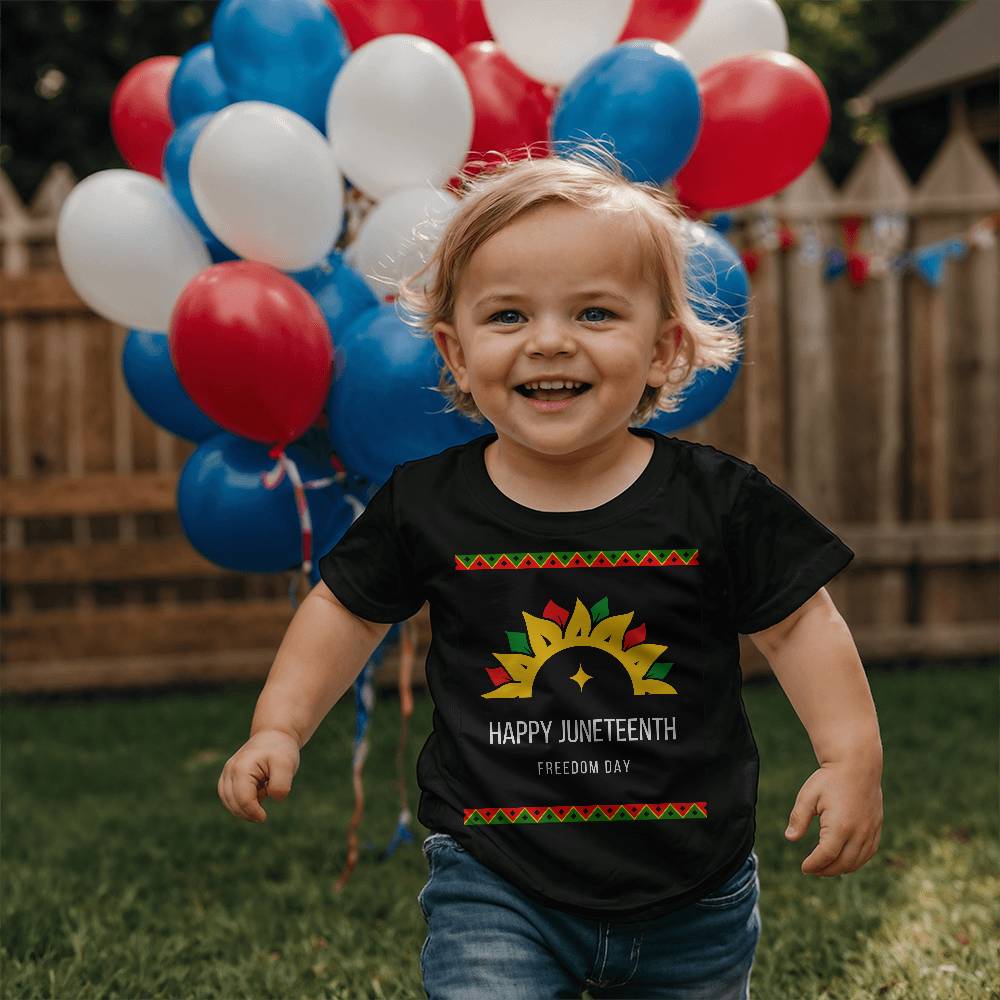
<point>504,312</point>
<point>507,312</point>
<point>600,310</point>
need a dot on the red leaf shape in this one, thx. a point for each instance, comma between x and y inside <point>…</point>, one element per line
<point>634,636</point>
<point>556,614</point>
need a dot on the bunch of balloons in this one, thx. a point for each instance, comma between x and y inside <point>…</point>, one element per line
<point>250,331</point>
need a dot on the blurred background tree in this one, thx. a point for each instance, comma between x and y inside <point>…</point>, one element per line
<point>62,59</point>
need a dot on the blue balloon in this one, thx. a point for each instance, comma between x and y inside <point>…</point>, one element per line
<point>235,521</point>
<point>152,380</point>
<point>705,393</point>
<point>384,407</point>
<point>176,163</point>
<point>642,96</point>
<point>219,252</point>
<point>340,292</point>
<point>716,278</point>
<point>722,221</point>
<point>287,53</point>
<point>176,166</point>
<point>197,87</point>
<point>719,291</point>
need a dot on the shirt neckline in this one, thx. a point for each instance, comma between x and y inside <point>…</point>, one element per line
<point>650,481</point>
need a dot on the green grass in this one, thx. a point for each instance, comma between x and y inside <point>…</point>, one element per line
<point>123,875</point>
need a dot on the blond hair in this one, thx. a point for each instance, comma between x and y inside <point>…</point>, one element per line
<point>590,177</point>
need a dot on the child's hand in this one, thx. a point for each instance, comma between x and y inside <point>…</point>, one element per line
<point>262,768</point>
<point>848,798</point>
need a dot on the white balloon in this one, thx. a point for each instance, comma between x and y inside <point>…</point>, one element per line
<point>127,247</point>
<point>554,40</point>
<point>399,115</point>
<point>398,236</point>
<point>724,28</point>
<point>266,183</point>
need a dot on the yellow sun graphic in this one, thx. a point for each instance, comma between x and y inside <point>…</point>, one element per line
<point>557,630</point>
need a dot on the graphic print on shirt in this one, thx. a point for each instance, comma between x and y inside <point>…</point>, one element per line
<point>576,656</point>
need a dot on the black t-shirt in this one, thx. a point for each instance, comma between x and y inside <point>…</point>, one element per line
<point>590,742</point>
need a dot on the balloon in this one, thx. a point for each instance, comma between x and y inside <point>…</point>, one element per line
<point>398,236</point>
<point>176,161</point>
<point>286,53</point>
<point>705,393</point>
<point>436,20</point>
<point>663,20</point>
<point>219,252</point>
<point>552,41</point>
<point>340,292</point>
<point>266,183</point>
<point>719,291</point>
<point>153,382</point>
<point>472,20</point>
<point>724,28</point>
<point>197,87</point>
<point>400,115</point>
<point>232,518</point>
<point>127,248</point>
<point>511,110</point>
<point>384,407</point>
<point>253,351</point>
<point>765,117</point>
<point>644,98</point>
<point>715,273</point>
<point>140,116</point>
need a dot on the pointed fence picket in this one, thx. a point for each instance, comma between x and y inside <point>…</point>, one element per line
<point>875,406</point>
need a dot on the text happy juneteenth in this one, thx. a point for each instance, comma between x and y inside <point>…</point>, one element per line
<point>584,730</point>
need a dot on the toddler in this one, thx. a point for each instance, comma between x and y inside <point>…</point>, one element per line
<point>590,782</point>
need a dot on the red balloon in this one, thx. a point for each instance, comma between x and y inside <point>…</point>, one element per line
<point>662,19</point>
<point>511,109</point>
<point>252,349</point>
<point>765,118</point>
<point>437,20</point>
<point>140,113</point>
<point>473,24</point>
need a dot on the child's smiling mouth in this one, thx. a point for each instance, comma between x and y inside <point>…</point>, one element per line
<point>547,400</point>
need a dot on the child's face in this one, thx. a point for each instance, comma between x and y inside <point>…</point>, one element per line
<point>551,261</point>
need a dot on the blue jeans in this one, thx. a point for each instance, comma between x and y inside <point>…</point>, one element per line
<point>487,940</point>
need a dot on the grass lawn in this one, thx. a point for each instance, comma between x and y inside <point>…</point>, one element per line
<point>124,876</point>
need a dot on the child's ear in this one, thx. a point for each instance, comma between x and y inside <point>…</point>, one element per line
<point>664,350</point>
<point>450,348</point>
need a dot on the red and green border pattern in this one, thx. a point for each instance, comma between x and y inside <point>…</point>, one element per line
<point>614,813</point>
<point>590,559</point>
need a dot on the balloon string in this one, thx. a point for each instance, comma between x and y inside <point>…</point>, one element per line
<point>287,467</point>
<point>407,657</point>
<point>364,703</point>
<point>272,478</point>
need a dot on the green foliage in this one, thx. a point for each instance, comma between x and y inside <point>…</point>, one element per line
<point>61,63</point>
<point>124,876</point>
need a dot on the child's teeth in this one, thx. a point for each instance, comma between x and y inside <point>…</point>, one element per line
<point>553,385</point>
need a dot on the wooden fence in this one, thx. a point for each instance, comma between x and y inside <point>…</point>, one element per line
<point>874,405</point>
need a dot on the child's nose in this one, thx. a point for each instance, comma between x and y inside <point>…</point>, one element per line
<point>549,333</point>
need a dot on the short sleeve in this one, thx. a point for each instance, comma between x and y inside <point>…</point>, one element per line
<point>779,555</point>
<point>369,570</point>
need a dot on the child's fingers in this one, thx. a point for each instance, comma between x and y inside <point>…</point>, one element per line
<point>279,779</point>
<point>244,789</point>
<point>834,857</point>
<point>832,844</point>
<point>803,810</point>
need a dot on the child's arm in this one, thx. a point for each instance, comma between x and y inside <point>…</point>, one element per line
<point>321,654</point>
<point>813,655</point>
